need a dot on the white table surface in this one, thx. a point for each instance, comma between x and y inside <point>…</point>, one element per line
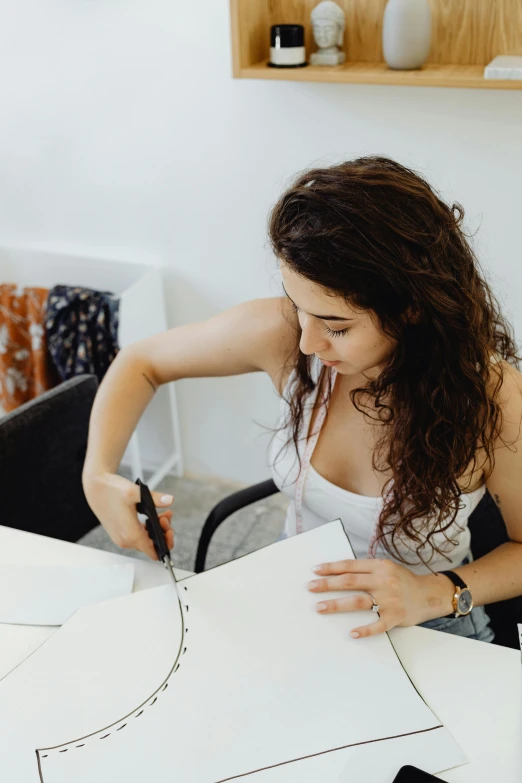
<point>473,687</point>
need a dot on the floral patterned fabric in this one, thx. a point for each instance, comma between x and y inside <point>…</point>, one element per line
<point>25,366</point>
<point>82,330</point>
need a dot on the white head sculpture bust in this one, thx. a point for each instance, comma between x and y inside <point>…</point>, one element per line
<point>328,23</point>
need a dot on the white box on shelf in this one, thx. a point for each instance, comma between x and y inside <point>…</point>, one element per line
<point>504,67</point>
<point>141,314</point>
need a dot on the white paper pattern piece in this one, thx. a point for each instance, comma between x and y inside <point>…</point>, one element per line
<point>49,595</point>
<point>244,678</point>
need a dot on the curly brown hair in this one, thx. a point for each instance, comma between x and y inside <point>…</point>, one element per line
<point>378,235</point>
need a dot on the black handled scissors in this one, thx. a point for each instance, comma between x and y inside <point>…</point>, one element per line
<point>148,509</point>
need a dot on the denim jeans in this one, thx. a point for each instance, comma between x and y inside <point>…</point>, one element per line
<point>474,625</point>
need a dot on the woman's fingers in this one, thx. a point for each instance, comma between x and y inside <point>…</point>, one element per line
<point>140,540</point>
<point>161,499</point>
<point>343,582</point>
<point>381,626</point>
<point>353,603</point>
<point>165,520</point>
<point>346,566</point>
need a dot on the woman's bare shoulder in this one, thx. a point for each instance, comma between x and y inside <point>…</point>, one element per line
<point>506,383</point>
<point>278,328</point>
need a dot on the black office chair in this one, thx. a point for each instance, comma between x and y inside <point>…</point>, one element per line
<point>487,532</point>
<point>42,451</point>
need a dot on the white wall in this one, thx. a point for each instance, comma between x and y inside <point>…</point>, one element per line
<point>123,135</point>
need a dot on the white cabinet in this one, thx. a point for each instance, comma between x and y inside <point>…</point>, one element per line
<point>156,441</point>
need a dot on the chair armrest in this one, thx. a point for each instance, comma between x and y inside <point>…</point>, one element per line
<point>226,507</point>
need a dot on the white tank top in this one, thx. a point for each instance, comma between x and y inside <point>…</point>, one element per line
<point>323,501</point>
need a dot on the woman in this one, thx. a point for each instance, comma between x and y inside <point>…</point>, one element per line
<point>400,401</point>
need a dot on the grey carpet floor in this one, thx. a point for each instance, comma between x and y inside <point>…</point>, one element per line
<point>245,531</point>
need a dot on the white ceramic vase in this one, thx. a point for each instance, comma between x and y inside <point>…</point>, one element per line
<point>406,33</point>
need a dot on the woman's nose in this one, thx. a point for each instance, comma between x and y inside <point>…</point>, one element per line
<point>312,341</point>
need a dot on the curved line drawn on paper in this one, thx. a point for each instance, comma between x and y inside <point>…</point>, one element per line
<point>104,734</point>
<point>121,723</point>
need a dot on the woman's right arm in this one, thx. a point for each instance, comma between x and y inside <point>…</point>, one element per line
<point>256,336</point>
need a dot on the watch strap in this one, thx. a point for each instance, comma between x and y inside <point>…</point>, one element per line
<point>458,582</point>
<point>455,578</point>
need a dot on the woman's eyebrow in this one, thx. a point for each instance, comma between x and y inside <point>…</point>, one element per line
<point>322,317</point>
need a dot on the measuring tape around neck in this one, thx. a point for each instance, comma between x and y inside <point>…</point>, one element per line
<point>305,463</point>
<point>307,454</point>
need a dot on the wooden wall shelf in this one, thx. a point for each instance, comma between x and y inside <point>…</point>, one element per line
<point>467,34</point>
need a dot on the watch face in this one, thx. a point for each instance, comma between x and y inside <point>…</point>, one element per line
<point>465,602</point>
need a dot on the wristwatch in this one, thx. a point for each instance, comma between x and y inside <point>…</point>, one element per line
<point>462,600</point>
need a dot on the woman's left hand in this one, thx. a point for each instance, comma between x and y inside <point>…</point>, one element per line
<point>399,593</point>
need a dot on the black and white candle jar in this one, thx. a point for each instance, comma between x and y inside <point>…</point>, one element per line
<point>287,48</point>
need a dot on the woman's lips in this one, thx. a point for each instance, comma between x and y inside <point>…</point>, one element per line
<point>329,364</point>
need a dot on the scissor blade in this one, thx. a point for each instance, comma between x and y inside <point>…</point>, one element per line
<point>168,566</point>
